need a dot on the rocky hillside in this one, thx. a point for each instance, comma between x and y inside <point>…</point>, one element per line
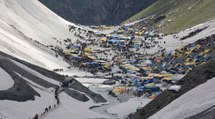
<point>97,12</point>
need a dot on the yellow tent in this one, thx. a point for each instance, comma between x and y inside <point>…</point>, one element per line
<point>146,78</point>
<point>104,39</point>
<point>118,90</point>
<point>187,60</point>
<point>88,50</point>
<point>187,52</point>
<point>136,41</point>
<point>136,33</point>
<point>187,63</point>
<point>191,49</point>
<point>206,51</point>
<point>167,75</point>
<point>180,49</point>
<point>198,46</point>
<point>158,75</point>
<point>122,41</point>
<point>90,56</point>
<point>153,96</point>
<point>107,65</point>
<point>201,54</point>
<point>203,63</point>
<point>133,68</point>
<point>101,61</point>
<point>180,55</point>
<point>167,78</point>
<point>108,35</point>
<point>147,68</point>
<point>189,69</point>
<point>124,65</point>
<point>128,83</point>
<point>67,52</point>
<point>150,84</point>
<point>205,55</point>
<point>193,62</point>
<point>120,31</point>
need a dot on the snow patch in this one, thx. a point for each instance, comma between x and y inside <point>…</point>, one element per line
<point>6,80</point>
<point>191,103</point>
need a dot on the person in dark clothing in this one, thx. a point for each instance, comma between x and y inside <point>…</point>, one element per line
<point>36,116</point>
<point>143,72</point>
<point>46,110</point>
<point>58,102</point>
<point>56,90</point>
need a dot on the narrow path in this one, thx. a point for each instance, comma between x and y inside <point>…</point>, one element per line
<point>2,116</point>
<point>49,108</point>
<point>63,86</point>
<point>111,100</point>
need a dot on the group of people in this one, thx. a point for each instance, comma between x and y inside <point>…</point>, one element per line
<point>162,66</point>
<point>127,47</point>
<point>49,108</point>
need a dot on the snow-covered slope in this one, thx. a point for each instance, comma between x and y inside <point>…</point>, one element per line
<point>22,22</point>
<point>25,91</point>
<point>172,43</point>
<point>189,104</point>
<point>7,79</point>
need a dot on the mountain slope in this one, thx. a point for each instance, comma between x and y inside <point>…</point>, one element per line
<point>27,31</point>
<point>182,13</point>
<point>27,25</point>
<point>191,103</point>
<point>168,98</point>
<point>97,12</point>
<point>33,90</point>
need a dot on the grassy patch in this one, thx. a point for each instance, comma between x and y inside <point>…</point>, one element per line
<point>183,13</point>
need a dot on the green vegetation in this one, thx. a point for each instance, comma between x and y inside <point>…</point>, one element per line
<point>157,7</point>
<point>183,13</point>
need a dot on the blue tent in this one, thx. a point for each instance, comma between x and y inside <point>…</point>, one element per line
<point>121,44</point>
<point>135,82</point>
<point>114,41</point>
<point>146,82</point>
<point>93,64</point>
<point>148,88</point>
<point>136,46</point>
<point>197,56</point>
<point>125,27</point>
<point>76,58</point>
<point>114,36</point>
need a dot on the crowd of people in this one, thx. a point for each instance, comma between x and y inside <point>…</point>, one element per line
<point>57,91</point>
<point>126,49</point>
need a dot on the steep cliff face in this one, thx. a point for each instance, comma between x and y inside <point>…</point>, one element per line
<point>97,12</point>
